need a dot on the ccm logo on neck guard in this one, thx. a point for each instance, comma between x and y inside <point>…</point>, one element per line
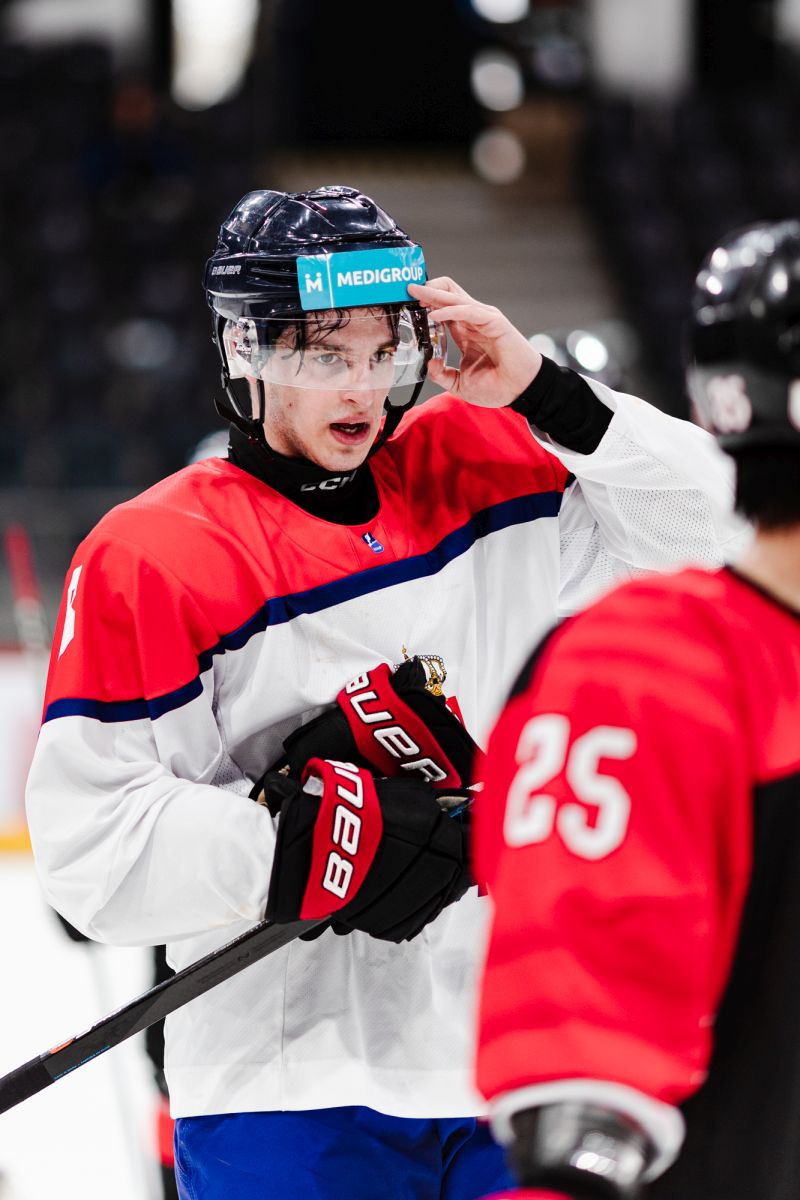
<point>347,832</point>
<point>328,485</point>
<point>389,733</point>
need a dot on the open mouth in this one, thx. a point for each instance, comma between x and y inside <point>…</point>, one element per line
<point>350,432</point>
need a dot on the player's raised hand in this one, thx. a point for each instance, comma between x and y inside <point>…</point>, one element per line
<point>497,362</point>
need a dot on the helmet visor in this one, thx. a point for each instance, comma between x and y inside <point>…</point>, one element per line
<point>363,349</point>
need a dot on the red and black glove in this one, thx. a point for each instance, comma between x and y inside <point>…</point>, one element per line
<point>389,722</point>
<point>380,854</point>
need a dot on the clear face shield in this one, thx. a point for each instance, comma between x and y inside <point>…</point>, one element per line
<point>378,349</point>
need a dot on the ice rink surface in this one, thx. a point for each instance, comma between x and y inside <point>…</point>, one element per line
<point>90,1135</point>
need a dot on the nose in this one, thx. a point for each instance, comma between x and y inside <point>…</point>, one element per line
<point>362,386</point>
<point>361,376</point>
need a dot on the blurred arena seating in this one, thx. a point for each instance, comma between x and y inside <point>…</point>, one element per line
<point>108,203</point>
<point>664,182</point>
<point>111,194</point>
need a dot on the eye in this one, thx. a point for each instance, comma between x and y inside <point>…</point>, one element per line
<point>382,356</point>
<point>328,359</point>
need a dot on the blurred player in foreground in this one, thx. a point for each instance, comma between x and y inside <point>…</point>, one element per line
<point>256,612</point>
<point>640,831</point>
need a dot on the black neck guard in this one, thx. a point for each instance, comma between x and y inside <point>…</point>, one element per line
<point>344,499</point>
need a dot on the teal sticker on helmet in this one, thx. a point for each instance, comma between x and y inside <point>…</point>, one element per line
<point>353,278</point>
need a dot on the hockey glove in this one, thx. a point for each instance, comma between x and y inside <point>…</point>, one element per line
<point>379,854</point>
<point>387,721</point>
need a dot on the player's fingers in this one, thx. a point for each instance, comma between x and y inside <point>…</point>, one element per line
<point>444,376</point>
<point>476,316</point>
<point>442,285</point>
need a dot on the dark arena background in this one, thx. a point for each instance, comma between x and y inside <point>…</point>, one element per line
<point>570,162</point>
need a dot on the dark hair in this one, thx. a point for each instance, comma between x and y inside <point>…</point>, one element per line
<point>768,485</point>
<point>317,326</point>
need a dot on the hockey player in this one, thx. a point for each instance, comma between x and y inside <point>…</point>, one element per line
<point>249,611</point>
<point>641,828</point>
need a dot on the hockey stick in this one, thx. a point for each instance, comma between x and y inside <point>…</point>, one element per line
<point>194,980</point>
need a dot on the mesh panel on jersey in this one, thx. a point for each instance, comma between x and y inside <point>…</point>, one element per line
<point>665,527</point>
<point>648,514</point>
<point>587,569</point>
<point>230,778</point>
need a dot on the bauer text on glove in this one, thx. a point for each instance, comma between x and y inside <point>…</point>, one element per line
<point>378,854</point>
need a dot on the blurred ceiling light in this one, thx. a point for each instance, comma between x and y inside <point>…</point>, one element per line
<point>778,282</point>
<point>646,48</point>
<point>213,45</point>
<point>498,156</point>
<point>621,340</point>
<point>545,344</point>
<point>501,11</point>
<point>121,24</point>
<point>497,81</point>
<point>787,20</point>
<point>587,350</point>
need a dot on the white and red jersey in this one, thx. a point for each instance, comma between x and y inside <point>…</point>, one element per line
<point>206,619</point>
<point>640,838</point>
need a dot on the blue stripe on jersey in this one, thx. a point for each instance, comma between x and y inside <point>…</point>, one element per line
<point>281,609</point>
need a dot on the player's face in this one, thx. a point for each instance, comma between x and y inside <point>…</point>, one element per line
<point>332,426</point>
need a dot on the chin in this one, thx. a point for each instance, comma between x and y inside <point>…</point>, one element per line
<point>342,459</point>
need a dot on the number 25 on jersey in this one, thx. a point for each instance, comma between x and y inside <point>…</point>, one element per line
<point>595,823</point>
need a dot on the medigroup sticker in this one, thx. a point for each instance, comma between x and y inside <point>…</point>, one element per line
<point>353,278</point>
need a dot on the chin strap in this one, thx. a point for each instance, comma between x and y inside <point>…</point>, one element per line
<point>394,415</point>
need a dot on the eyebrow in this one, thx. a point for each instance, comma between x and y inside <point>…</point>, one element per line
<point>387,344</point>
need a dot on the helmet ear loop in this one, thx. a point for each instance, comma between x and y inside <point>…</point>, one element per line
<point>232,410</point>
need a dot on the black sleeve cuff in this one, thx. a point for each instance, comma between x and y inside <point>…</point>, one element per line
<point>560,403</point>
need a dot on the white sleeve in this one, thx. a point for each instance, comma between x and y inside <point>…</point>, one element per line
<point>656,494</point>
<point>131,853</point>
<point>140,822</point>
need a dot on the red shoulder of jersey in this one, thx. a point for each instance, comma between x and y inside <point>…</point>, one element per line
<point>211,555</point>
<point>133,623</point>
<point>488,452</point>
<point>614,832</point>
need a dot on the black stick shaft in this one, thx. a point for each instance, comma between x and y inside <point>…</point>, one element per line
<point>145,1010</point>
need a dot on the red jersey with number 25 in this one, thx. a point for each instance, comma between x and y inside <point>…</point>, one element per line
<point>640,837</point>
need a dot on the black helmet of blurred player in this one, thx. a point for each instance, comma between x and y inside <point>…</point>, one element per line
<point>307,263</point>
<point>745,377</point>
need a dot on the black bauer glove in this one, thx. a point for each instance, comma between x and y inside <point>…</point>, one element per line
<point>379,854</point>
<point>387,721</point>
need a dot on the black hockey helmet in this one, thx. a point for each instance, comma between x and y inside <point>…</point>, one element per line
<point>745,338</point>
<point>291,260</point>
